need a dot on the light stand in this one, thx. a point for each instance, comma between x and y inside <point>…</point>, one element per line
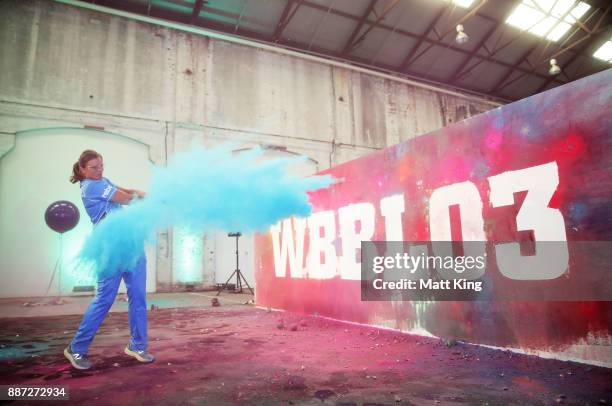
<point>57,268</point>
<point>239,276</point>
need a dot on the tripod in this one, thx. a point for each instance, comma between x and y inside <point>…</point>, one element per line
<point>56,268</point>
<point>239,276</point>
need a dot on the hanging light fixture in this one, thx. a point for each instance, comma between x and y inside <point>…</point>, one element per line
<point>461,37</point>
<point>554,68</point>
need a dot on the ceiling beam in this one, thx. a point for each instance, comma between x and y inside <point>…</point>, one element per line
<point>211,10</point>
<point>378,19</point>
<point>348,47</point>
<point>316,31</point>
<point>408,59</point>
<point>469,57</point>
<point>341,13</point>
<point>390,70</point>
<point>451,29</point>
<point>386,40</point>
<point>497,86</point>
<point>567,64</point>
<point>195,13</point>
<point>546,60</point>
<point>385,26</point>
<point>285,18</point>
<point>240,17</point>
<point>500,83</point>
<point>589,37</point>
<point>495,51</point>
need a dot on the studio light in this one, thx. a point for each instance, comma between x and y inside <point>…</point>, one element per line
<point>554,68</point>
<point>461,37</point>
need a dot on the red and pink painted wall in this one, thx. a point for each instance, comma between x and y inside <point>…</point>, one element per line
<point>539,169</point>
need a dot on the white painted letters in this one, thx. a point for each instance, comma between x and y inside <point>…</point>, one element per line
<point>551,259</point>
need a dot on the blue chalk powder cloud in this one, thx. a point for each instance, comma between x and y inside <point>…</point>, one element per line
<point>201,190</point>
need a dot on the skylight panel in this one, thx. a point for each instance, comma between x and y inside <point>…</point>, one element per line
<point>604,52</point>
<point>550,19</point>
<point>461,3</point>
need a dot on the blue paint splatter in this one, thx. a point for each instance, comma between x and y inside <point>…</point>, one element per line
<point>499,122</point>
<point>480,170</point>
<point>402,149</point>
<point>577,212</point>
<point>17,351</point>
<point>201,190</point>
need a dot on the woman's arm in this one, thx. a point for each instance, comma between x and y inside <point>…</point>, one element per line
<point>138,193</point>
<point>122,196</point>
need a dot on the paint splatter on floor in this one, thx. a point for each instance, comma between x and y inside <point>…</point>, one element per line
<point>237,354</point>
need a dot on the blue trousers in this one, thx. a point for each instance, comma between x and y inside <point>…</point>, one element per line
<point>135,281</point>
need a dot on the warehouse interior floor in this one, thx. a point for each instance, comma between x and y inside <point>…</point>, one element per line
<point>237,353</point>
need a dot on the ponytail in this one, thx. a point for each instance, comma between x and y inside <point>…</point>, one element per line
<point>76,176</point>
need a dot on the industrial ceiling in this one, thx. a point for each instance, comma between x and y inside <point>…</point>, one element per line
<point>417,39</point>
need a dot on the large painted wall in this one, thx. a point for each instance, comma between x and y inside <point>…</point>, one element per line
<point>69,67</point>
<point>538,169</point>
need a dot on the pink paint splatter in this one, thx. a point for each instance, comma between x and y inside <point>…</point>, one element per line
<point>570,148</point>
<point>493,140</point>
<point>456,167</point>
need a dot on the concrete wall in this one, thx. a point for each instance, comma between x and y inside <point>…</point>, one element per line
<point>62,66</point>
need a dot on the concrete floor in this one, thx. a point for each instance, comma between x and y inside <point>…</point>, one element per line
<point>239,354</point>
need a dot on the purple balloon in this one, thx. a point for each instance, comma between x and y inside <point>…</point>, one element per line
<point>62,216</point>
